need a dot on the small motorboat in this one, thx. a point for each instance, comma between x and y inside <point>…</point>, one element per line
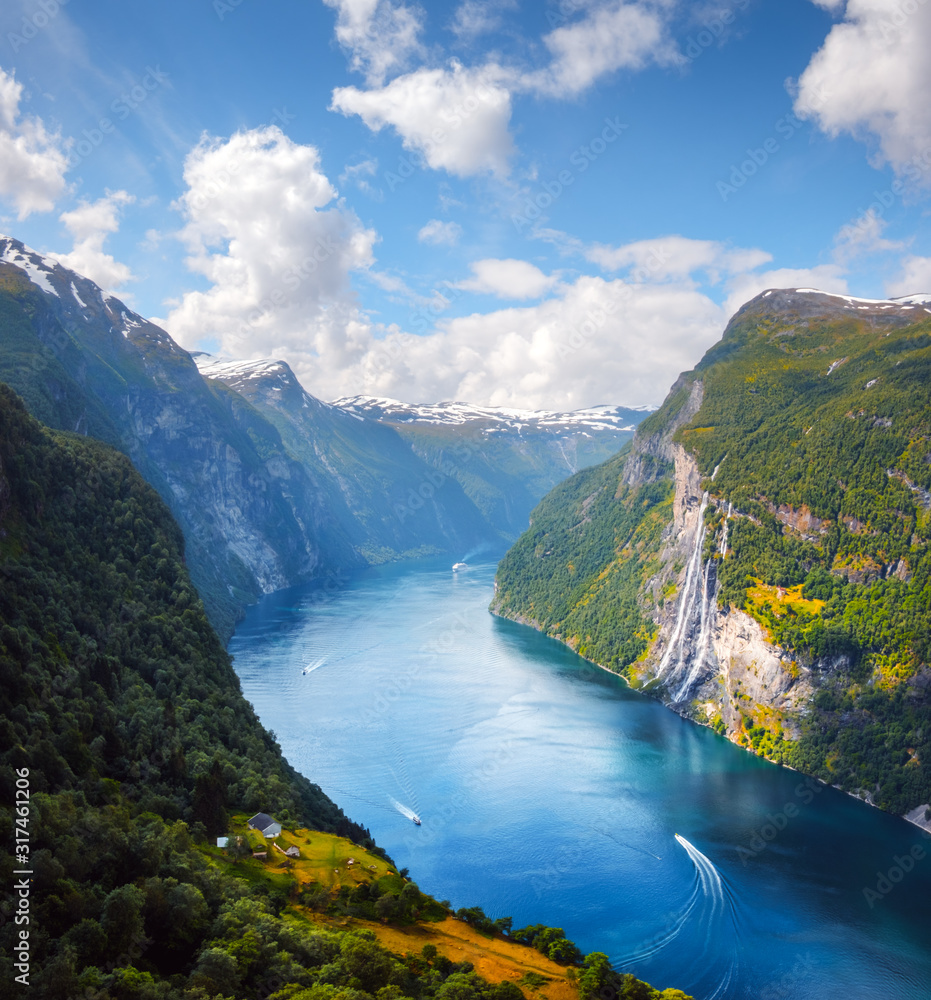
<point>416,820</point>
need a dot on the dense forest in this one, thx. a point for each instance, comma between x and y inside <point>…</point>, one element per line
<point>123,718</point>
<point>814,442</point>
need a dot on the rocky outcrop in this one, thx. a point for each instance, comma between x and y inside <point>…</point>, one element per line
<point>920,816</point>
<point>252,516</point>
<point>708,663</point>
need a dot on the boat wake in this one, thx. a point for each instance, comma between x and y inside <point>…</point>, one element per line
<point>709,919</point>
<point>316,665</point>
<point>404,811</point>
<point>629,847</point>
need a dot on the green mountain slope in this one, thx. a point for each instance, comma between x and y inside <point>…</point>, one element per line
<point>504,460</point>
<point>112,676</point>
<point>759,558</point>
<point>389,502</point>
<point>252,516</point>
<point>125,744</point>
<point>271,486</point>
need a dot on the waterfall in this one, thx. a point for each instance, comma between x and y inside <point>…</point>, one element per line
<point>677,639</point>
<point>730,510</point>
<point>704,632</point>
<point>689,645</point>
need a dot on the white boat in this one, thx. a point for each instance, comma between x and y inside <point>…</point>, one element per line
<point>459,566</point>
<point>416,820</point>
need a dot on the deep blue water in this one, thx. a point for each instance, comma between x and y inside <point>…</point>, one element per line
<point>550,792</point>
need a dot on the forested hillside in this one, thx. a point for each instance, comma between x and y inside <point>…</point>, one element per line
<point>272,487</point>
<point>809,430</point>
<point>125,745</point>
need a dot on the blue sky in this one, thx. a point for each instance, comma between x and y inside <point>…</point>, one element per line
<point>553,205</point>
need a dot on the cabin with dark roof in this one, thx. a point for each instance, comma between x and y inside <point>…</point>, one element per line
<point>265,825</point>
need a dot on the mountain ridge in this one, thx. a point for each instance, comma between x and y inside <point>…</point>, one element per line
<point>758,558</point>
<point>272,486</point>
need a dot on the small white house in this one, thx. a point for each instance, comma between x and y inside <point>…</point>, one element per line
<point>223,841</point>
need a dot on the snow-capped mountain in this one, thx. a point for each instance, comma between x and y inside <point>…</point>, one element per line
<point>80,299</point>
<point>493,418</point>
<point>270,485</point>
<point>503,460</point>
<point>812,301</point>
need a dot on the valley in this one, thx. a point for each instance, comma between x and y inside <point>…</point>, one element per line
<point>272,486</point>
<point>759,568</point>
<point>465,500</point>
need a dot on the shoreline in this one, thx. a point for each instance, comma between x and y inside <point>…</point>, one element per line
<point>913,816</point>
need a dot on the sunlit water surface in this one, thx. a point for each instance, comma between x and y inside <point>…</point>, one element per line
<point>550,792</point>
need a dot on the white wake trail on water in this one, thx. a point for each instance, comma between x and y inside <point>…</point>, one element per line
<point>708,918</point>
<point>720,921</point>
<point>404,811</point>
<point>623,843</point>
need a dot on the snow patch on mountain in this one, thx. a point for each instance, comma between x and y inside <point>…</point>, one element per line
<point>920,299</point>
<point>266,373</point>
<point>593,418</point>
<point>37,267</point>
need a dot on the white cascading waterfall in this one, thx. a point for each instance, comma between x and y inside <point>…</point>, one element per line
<point>677,644</point>
<point>689,645</point>
<point>730,510</point>
<point>704,633</point>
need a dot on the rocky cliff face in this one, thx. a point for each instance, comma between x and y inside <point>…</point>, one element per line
<point>710,663</point>
<point>253,517</point>
<point>389,502</point>
<point>271,486</point>
<point>760,558</point>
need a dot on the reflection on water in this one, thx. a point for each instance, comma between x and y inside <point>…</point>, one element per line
<point>549,792</point>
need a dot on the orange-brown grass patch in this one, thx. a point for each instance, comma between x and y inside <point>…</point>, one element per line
<point>495,958</point>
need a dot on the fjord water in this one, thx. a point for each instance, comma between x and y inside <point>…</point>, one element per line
<point>550,792</point>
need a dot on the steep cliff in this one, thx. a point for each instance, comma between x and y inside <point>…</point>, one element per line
<point>503,459</point>
<point>390,502</point>
<point>759,558</point>
<point>271,486</point>
<point>252,516</point>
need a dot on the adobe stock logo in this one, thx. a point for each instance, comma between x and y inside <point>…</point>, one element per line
<point>887,881</point>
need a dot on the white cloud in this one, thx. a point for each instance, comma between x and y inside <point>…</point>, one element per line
<point>743,287</point>
<point>440,233</point>
<point>380,36</point>
<point>593,341</point>
<point>264,229</point>
<point>479,17</point>
<point>32,159</point>
<point>618,35</point>
<point>597,342</point>
<point>914,279</point>
<point>90,224</point>
<point>872,80</point>
<point>456,118</point>
<point>508,279</point>
<point>399,290</point>
<point>831,5</point>
<point>676,257</point>
<point>863,237</point>
<point>356,173</point>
